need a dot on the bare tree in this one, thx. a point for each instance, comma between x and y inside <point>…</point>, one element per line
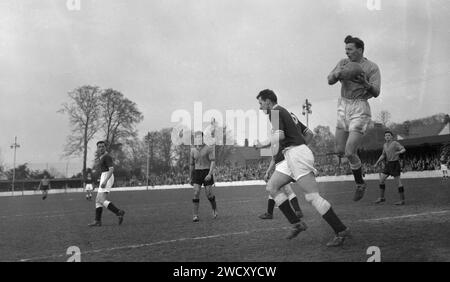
<point>384,117</point>
<point>119,116</point>
<point>83,111</point>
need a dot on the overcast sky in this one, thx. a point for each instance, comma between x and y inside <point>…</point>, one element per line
<point>166,54</point>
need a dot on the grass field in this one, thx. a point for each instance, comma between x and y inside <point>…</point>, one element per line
<point>158,226</point>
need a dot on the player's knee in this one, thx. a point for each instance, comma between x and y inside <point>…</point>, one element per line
<point>98,205</point>
<point>106,203</point>
<point>319,203</point>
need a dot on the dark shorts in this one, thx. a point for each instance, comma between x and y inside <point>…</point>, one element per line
<point>44,187</point>
<point>199,177</point>
<point>392,168</point>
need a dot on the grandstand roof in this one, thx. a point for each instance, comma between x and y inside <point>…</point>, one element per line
<point>412,142</point>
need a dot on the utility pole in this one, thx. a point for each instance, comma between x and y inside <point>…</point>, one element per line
<point>307,111</point>
<point>148,156</point>
<point>14,146</point>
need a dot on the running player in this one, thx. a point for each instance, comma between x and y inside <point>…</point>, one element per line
<point>287,189</point>
<point>391,152</point>
<point>88,185</point>
<point>353,110</point>
<point>298,165</point>
<point>106,166</point>
<point>202,163</point>
<point>44,185</point>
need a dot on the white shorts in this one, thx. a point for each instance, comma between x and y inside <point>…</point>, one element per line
<point>353,115</point>
<point>109,184</point>
<point>298,162</point>
<point>443,167</point>
<point>89,187</point>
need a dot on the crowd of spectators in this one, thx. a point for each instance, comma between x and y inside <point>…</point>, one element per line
<point>256,170</point>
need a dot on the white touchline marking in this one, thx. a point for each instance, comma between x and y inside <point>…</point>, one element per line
<point>155,243</point>
<point>404,216</point>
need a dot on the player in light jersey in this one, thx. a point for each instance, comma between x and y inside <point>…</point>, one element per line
<point>202,164</point>
<point>353,110</point>
<point>391,152</point>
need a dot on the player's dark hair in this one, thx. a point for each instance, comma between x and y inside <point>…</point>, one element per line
<point>390,132</point>
<point>355,40</point>
<point>267,94</point>
<point>101,142</point>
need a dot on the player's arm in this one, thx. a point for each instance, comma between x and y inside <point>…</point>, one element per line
<point>264,144</point>
<point>401,149</point>
<point>39,186</point>
<point>191,165</point>
<point>371,82</point>
<point>308,135</point>
<point>269,169</point>
<point>382,157</point>
<point>333,77</point>
<point>212,166</point>
<point>49,184</point>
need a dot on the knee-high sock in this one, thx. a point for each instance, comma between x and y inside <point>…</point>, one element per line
<point>283,204</point>
<point>98,213</point>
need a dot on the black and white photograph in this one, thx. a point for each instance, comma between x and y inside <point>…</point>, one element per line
<point>225,137</point>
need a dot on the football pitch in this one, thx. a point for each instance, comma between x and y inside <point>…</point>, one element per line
<point>158,226</point>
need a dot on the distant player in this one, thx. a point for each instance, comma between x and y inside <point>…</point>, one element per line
<point>106,166</point>
<point>44,185</point>
<point>391,152</point>
<point>202,164</point>
<point>287,189</point>
<point>444,169</point>
<point>89,186</point>
<point>298,165</point>
<point>353,110</point>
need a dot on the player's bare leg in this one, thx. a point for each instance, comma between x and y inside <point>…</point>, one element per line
<point>196,202</point>
<point>309,185</point>
<point>383,178</point>
<point>212,199</point>
<point>401,191</point>
<point>353,141</point>
<point>276,181</point>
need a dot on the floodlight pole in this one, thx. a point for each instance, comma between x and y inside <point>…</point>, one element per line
<point>14,146</point>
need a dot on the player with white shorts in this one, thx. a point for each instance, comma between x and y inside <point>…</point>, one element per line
<point>106,166</point>
<point>298,166</point>
<point>353,110</point>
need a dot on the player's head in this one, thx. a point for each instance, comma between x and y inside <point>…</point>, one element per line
<point>267,99</point>
<point>388,135</point>
<point>354,48</point>
<point>101,146</point>
<point>198,138</point>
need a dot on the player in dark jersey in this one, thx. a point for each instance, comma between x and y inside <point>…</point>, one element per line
<point>89,185</point>
<point>391,152</point>
<point>299,161</point>
<point>106,166</point>
<point>202,164</point>
<point>44,185</point>
<point>287,189</point>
